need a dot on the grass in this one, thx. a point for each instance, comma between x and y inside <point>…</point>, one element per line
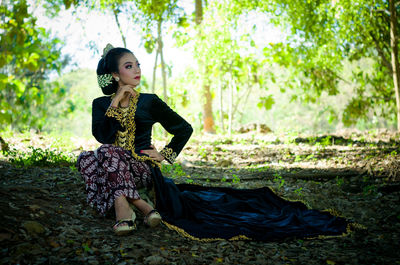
<point>39,157</point>
<point>174,170</point>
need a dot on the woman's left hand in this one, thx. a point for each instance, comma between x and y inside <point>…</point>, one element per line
<point>153,153</point>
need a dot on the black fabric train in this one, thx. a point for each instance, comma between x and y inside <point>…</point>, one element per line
<point>212,213</point>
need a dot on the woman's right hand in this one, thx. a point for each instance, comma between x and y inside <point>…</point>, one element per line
<point>123,92</point>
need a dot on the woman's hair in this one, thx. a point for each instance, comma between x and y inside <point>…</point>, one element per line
<point>109,64</point>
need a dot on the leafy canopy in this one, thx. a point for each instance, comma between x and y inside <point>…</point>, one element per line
<point>28,56</point>
<point>322,38</point>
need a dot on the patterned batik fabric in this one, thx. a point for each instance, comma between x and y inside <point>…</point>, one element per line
<point>110,172</point>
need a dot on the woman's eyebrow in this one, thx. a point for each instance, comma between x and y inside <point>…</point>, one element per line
<point>131,62</point>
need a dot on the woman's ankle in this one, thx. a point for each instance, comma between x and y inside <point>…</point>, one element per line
<point>122,209</point>
<point>143,206</point>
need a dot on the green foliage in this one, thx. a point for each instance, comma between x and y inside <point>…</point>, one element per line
<point>39,157</point>
<point>72,113</point>
<point>235,178</point>
<point>28,56</point>
<point>156,10</point>
<point>326,141</point>
<point>147,14</point>
<point>339,181</point>
<point>278,179</point>
<point>226,54</point>
<point>322,35</point>
<point>298,191</point>
<point>174,170</point>
<point>202,152</point>
<point>335,56</point>
<point>370,190</point>
<point>266,102</point>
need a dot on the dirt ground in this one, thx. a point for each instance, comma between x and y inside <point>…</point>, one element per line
<point>45,218</point>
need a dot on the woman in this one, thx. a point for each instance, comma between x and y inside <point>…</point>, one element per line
<point>127,161</point>
<point>115,171</point>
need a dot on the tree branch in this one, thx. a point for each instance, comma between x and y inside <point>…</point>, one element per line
<point>381,53</point>
<point>116,11</point>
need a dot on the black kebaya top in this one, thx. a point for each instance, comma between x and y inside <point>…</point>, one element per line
<point>131,127</point>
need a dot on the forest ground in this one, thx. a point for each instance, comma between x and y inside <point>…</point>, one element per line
<point>45,218</point>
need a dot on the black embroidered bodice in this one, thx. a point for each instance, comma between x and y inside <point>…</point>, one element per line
<point>131,127</point>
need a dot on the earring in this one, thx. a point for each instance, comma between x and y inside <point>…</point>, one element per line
<point>117,78</point>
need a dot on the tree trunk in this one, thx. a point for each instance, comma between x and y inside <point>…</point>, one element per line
<point>221,109</point>
<point>163,72</point>
<point>395,59</point>
<point>208,120</point>
<point>230,104</point>
<point>249,88</point>
<point>199,11</point>
<point>116,11</point>
<point>153,84</point>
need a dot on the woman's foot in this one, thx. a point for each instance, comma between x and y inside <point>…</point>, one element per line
<point>152,219</point>
<point>125,226</point>
<point>125,217</point>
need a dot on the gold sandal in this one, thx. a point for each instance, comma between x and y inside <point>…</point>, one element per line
<point>125,226</point>
<point>152,219</point>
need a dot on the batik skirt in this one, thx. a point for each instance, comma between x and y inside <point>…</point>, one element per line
<point>110,172</point>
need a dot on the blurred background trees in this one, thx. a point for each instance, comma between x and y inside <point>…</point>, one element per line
<point>28,56</point>
<point>335,63</point>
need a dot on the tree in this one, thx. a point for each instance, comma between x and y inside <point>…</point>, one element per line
<point>208,119</point>
<point>230,54</point>
<point>322,35</point>
<point>148,15</point>
<point>28,56</point>
<point>158,12</point>
<point>394,45</point>
<point>226,58</point>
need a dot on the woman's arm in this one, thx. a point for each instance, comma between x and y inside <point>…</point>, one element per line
<point>105,120</point>
<point>174,124</point>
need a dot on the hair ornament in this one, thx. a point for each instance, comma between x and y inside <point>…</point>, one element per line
<point>104,80</point>
<point>106,50</point>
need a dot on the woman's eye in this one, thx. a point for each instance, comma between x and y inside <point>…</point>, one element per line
<point>138,64</point>
<point>129,66</point>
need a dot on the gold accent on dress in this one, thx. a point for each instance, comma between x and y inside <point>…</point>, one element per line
<point>186,234</point>
<point>120,139</point>
<point>169,154</point>
<point>115,113</point>
<point>126,116</point>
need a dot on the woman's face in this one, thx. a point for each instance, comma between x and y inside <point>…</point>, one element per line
<point>129,70</point>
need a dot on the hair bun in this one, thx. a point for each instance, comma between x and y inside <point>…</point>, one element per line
<point>109,90</point>
<point>106,50</point>
<point>107,65</point>
<point>105,79</point>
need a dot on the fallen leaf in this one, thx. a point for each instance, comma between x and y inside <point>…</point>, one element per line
<point>54,244</point>
<point>219,260</point>
<point>34,207</point>
<point>5,236</point>
<point>33,227</point>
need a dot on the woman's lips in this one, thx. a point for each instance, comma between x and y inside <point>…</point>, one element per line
<point>138,77</point>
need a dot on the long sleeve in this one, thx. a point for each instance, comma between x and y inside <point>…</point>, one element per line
<point>105,120</point>
<point>174,124</point>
